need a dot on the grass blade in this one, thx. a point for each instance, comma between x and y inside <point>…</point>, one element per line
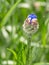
<point>5,19</point>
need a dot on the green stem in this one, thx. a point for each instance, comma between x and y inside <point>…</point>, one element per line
<point>29,53</point>
<point>0,57</point>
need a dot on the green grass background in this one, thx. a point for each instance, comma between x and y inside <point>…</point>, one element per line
<point>14,42</point>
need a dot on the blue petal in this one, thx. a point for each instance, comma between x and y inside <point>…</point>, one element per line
<point>32,16</point>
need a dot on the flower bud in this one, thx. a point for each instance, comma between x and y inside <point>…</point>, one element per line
<point>31,24</point>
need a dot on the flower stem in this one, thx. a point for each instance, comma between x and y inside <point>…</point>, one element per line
<point>29,53</point>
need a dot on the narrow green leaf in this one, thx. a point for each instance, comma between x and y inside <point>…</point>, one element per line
<point>41,63</point>
<point>13,52</point>
<point>5,19</point>
<point>24,57</point>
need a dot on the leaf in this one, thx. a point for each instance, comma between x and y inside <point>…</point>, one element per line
<point>41,63</point>
<point>24,57</point>
<point>13,52</point>
<point>5,19</point>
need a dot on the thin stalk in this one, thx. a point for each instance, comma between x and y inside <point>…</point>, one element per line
<point>0,57</point>
<point>29,53</point>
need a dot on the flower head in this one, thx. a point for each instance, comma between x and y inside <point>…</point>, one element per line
<point>31,24</point>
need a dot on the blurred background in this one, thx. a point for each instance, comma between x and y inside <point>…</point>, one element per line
<point>13,40</point>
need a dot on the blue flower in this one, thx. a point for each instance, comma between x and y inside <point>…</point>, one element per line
<point>31,24</point>
<point>32,16</point>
